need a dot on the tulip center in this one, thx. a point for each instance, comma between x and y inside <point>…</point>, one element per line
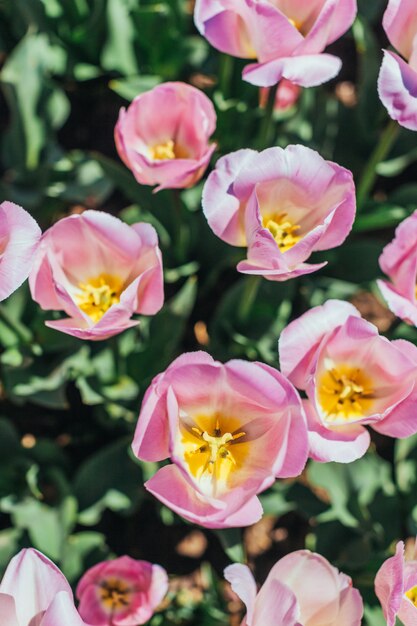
<point>163,151</point>
<point>345,393</point>
<point>98,294</point>
<point>297,25</point>
<point>212,454</point>
<point>282,229</point>
<point>115,594</point>
<point>411,594</point>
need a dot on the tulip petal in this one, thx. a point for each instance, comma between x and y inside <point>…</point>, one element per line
<point>62,612</point>
<point>33,581</point>
<point>244,585</point>
<point>19,238</point>
<point>397,88</point>
<point>307,70</point>
<point>8,615</point>
<point>299,341</point>
<point>341,444</point>
<point>389,584</point>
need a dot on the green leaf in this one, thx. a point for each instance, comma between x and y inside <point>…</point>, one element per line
<point>77,549</point>
<point>382,216</point>
<point>47,526</point>
<point>109,478</point>
<point>129,88</point>
<point>119,51</point>
<point>27,87</point>
<point>394,167</point>
<point>232,542</point>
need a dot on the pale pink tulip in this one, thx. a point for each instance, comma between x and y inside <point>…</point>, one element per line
<point>352,376</point>
<point>302,589</point>
<point>287,37</point>
<point>163,136</point>
<point>397,83</point>
<point>34,592</point>
<point>122,592</point>
<point>19,237</point>
<point>396,588</point>
<point>399,261</point>
<point>229,430</point>
<point>283,205</point>
<point>100,271</point>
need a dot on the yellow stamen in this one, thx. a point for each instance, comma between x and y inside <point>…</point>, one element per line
<point>345,393</point>
<point>98,294</point>
<point>411,594</point>
<point>213,451</point>
<point>282,230</point>
<point>163,151</point>
<point>115,594</point>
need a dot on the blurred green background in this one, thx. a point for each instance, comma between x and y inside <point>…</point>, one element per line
<point>69,485</point>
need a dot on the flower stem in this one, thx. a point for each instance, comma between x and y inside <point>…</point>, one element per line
<point>268,121</point>
<point>381,151</point>
<point>248,297</point>
<point>178,225</point>
<point>225,74</point>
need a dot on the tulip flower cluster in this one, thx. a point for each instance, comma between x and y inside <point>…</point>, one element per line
<point>286,38</point>
<point>123,592</point>
<point>227,431</point>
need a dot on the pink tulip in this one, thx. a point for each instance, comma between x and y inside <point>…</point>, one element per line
<point>396,588</point>
<point>34,592</point>
<point>283,205</point>
<point>122,592</point>
<point>19,237</point>
<point>352,377</point>
<point>99,271</point>
<point>287,95</point>
<point>399,262</point>
<point>229,430</point>
<point>287,37</point>
<point>302,589</point>
<point>163,136</point>
<point>397,84</point>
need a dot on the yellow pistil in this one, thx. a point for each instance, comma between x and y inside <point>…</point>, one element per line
<point>345,393</point>
<point>98,294</point>
<point>411,594</point>
<point>115,594</point>
<point>282,229</point>
<point>213,454</point>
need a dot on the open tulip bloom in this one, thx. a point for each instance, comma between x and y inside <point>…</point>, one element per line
<point>396,588</point>
<point>282,205</point>
<point>352,377</point>
<point>229,430</point>
<point>287,37</point>
<point>100,271</point>
<point>302,589</point>
<point>399,261</point>
<point>163,136</point>
<point>19,237</point>
<point>34,592</point>
<point>397,84</point>
<point>121,592</point>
